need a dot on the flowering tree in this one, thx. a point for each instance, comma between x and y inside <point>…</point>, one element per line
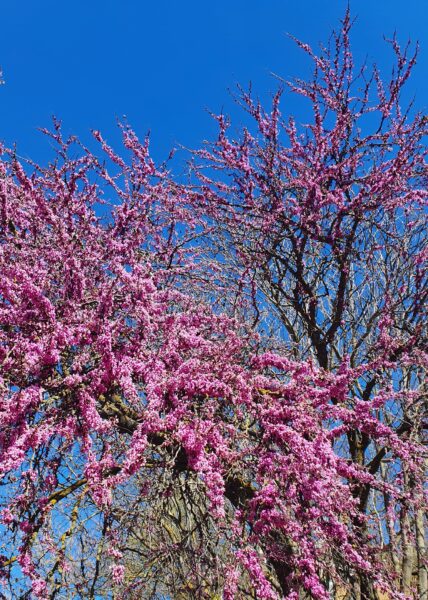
<point>323,230</point>
<point>216,390</point>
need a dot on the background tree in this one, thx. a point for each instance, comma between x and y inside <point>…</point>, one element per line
<point>323,231</point>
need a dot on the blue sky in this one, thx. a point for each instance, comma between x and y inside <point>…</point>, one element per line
<point>163,63</point>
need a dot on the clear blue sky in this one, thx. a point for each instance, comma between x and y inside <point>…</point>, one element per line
<point>164,62</point>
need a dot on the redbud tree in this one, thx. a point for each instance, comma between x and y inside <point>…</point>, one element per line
<point>215,390</point>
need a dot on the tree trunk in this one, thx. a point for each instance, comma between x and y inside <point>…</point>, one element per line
<point>408,554</point>
<point>422,556</point>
